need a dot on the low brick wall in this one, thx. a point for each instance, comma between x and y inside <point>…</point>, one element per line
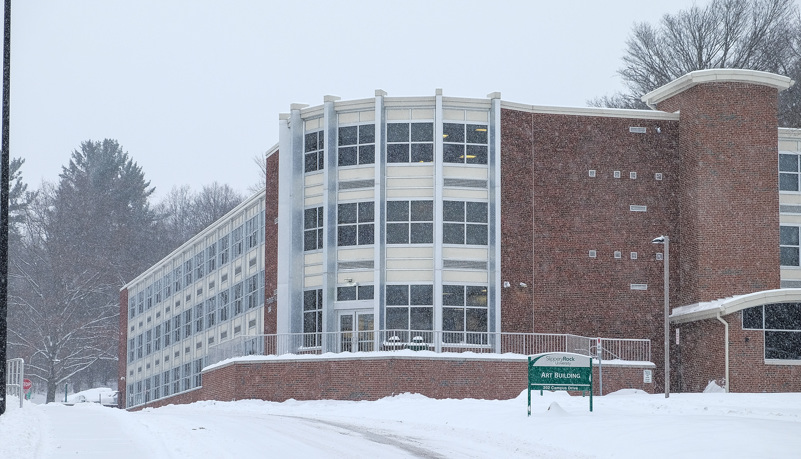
<point>375,377</point>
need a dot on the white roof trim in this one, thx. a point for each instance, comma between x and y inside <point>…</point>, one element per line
<point>724,306</point>
<point>715,76</point>
<point>592,111</point>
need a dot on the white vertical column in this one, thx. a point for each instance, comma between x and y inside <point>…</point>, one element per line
<point>330,179</point>
<point>380,252</point>
<point>494,162</point>
<point>439,183</point>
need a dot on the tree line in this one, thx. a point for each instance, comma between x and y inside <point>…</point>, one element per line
<point>74,243</point>
<point>749,34</point>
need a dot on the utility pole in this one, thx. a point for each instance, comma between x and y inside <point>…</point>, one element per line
<point>4,160</point>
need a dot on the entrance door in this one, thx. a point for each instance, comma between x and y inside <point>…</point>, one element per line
<point>356,331</point>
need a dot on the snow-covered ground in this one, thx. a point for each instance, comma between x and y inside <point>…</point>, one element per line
<point>624,424</point>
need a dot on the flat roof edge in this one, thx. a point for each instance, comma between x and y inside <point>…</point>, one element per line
<point>716,76</point>
<point>592,111</point>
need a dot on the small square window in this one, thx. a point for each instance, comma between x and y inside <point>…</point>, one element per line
<point>633,255</point>
<point>617,254</point>
<point>659,256</point>
<point>616,174</point>
<point>592,172</point>
<point>593,254</point>
<point>632,175</point>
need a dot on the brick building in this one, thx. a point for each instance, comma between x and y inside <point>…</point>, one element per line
<point>393,225</point>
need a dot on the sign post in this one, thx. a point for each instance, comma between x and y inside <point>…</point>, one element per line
<point>559,371</point>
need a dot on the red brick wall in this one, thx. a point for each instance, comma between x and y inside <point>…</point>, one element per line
<point>122,349</point>
<point>374,378</point>
<point>271,246</point>
<point>728,197</point>
<point>553,214</point>
<point>702,356</point>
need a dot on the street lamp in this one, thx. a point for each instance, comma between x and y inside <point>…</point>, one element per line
<point>666,264</point>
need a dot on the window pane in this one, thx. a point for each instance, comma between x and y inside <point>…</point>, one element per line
<point>397,295</point>
<point>421,294</point>
<point>752,318</point>
<point>310,163</point>
<point>310,240</point>
<point>309,322</point>
<point>788,182</point>
<point>422,211</point>
<point>397,211</point>
<point>476,133</point>
<point>453,319</point>
<point>397,318</point>
<point>367,133</point>
<point>422,132</point>
<point>397,233</point>
<point>476,295</point>
<point>453,295</point>
<point>309,300</point>
<point>346,213</point>
<point>346,293</point>
<point>310,218</point>
<point>421,233</point>
<point>311,142</point>
<point>476,235</point>
<point>476,320</point>
<point>788,235</point>
<point>453,153</point>
<point>453,211</point>
<point>365,212</point>
<point>783,345</point>
<point>421,319</point>
<point>452,132</point>
<point>477,212</point>
<point>789,256</point>
<point>422,152</point>
<point>347,135</point>
<point>783,316</point>
<point>788,163</point>
<point>347,156</point>
<point>366,234</point>
<point>453,233</point>
<point>476,154</point>
<point>366,292</point>
<point>367,154</point>
<point>397,132</point>
<point>346,235</point>
<point>398,153</point>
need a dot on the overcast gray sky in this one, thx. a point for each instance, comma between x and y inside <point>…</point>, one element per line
<point>192,89</point>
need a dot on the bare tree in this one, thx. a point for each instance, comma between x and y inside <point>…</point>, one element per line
<point>261,162</point>
<point>749,34</point>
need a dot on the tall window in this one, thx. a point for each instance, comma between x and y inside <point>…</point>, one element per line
<point>781,323</point>
<point>252,291</point>
<point>223,255</point>
<point>199,317</point>
<point>177,277</point>
<point>356,145</point>
<point>313,151</point>
<point>211,312</point>
<point>355,223</point>
<point>789,245</point>
<point>410,142</point>
<point>464,143</point>
<point>312,317</point>
<point>464,314</point>
<point>222,303</point>
<point>410,222</point>
<point>789,172</point>
<point>410,311</point>
<point>167,332</point>
<point>188,323</point>
<point>237,246</point>
<point>313,228</point>
<point>199,265</point>
<point>176,328</point>
<point>188,273</point>
<point>211,257</point>
<point>252,231</point>
<point>167,284</point>
<point>464,222</point>
<point>238,296</point>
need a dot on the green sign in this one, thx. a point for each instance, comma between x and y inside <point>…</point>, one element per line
<point>559,371</point>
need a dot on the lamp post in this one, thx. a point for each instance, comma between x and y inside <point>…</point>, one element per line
<point>666,265</point>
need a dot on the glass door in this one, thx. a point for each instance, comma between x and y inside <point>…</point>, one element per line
<point>356,331</point>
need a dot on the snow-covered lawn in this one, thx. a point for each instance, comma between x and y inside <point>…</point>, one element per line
<point>624,424</point>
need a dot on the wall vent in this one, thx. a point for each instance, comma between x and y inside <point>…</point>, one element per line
<point>593,254</point>
<point>251,323</point>
<point>592,172</point>
<point>237,270</point>
<point>199,345</point>
<point>252,262</point>
<point>356,184</point>
<point>466,183</point>
<point>616,174</point>
<point>464,264</point>
<point>632,175</point>
<point>211,340</point>
<point>639,286</point>
<point>211,285</point>
<point>638,208</point>
<point>224,278</point>
<point>659,256</point>
<point>358,264</point>
<point>637,129</point>
<point>658,176</point>
<point>633,255</point>
<point>223,335</point>
<point>617,254</point>
<point>237,329</point>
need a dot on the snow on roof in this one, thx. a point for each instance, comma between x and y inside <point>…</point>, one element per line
<point>724,306</point>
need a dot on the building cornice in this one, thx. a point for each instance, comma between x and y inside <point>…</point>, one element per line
<point>592,111</point>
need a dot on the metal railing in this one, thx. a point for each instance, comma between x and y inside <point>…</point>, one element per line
<point>427,340</point>
<point>15,374</point>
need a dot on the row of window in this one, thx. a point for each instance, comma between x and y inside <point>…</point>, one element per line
<point>406,143</point>
<point>408,222</point>
<point>781,323</point>
<point>170,382</point>
<point>226,305</point>
<point>216,255</point>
